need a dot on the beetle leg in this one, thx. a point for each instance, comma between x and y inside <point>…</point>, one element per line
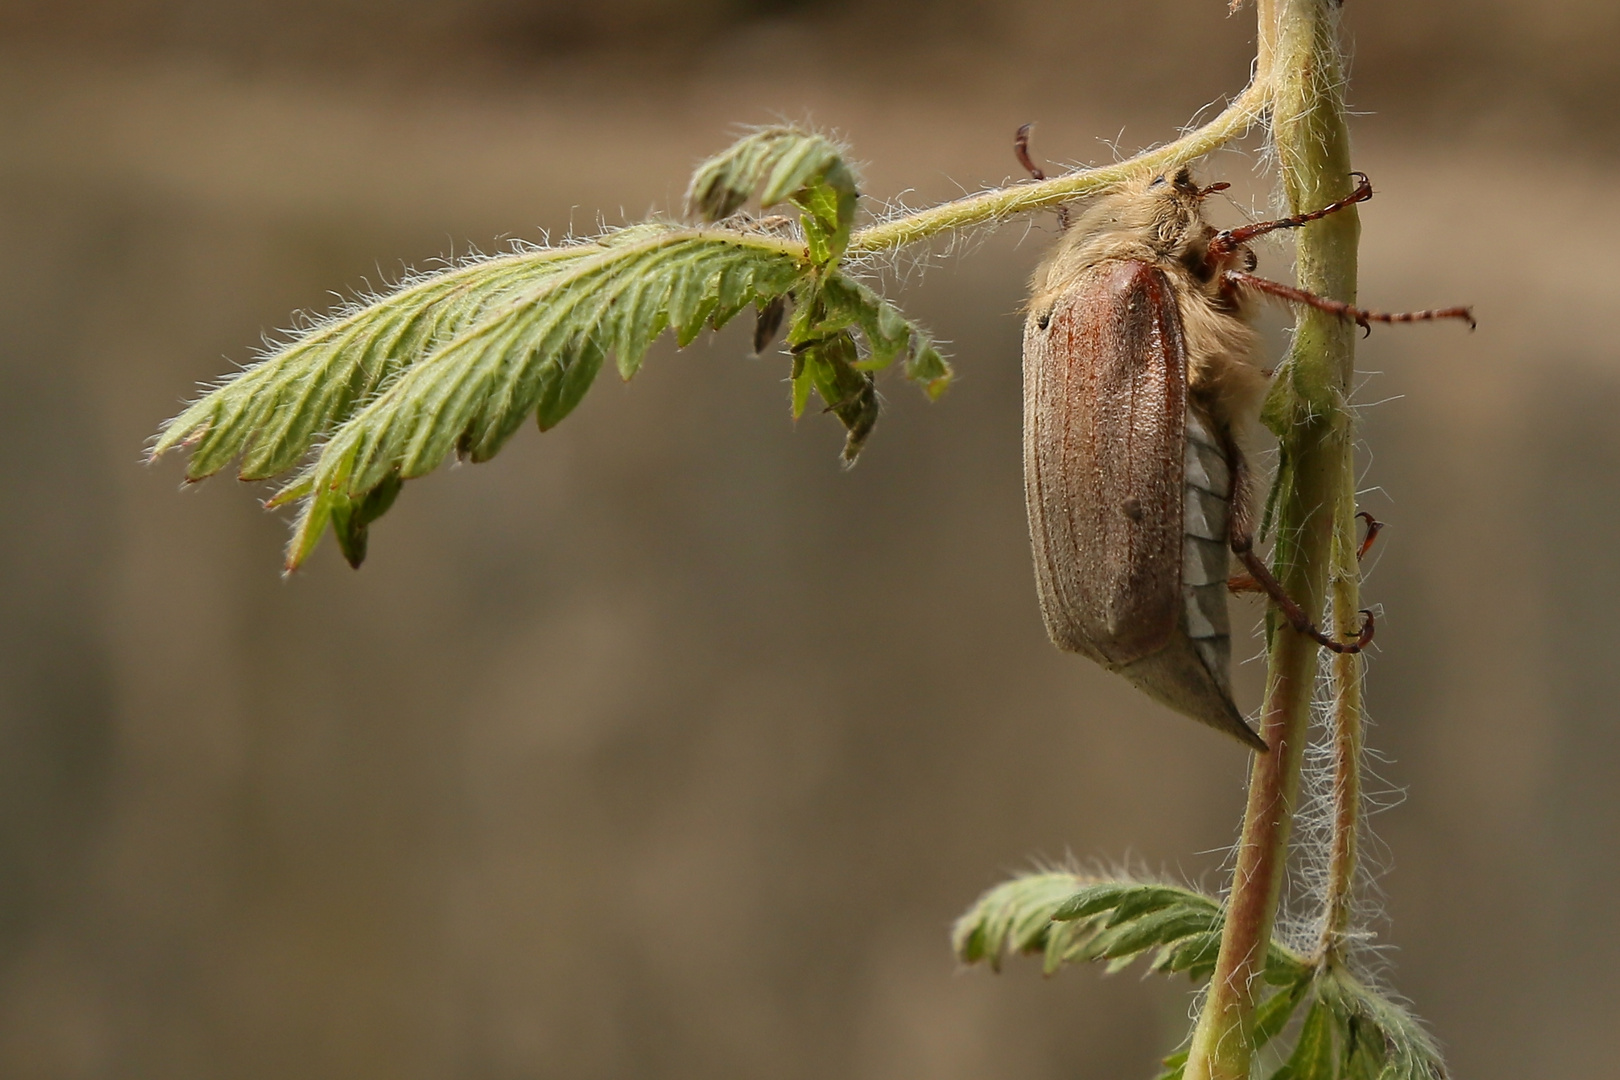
<point>1021,151</point>
<point>1240,535</point>
<point>1231,239</point>
<point>1291,611</point>
<point>1246,583</point>
<point>1360,316</point>
<point>1243,583</point>
<point>1373,526</point>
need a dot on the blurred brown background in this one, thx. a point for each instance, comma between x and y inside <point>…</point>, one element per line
<point>660,747</point>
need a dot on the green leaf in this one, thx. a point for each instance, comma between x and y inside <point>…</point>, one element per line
<point>350,520</point>
<point>271,413</point>
<point>828,361</point>
<point>1013,917</point>
<point>1175,1066</point>
<point>540,352</point>
<point>563,384</point>
<point>1351,1032</point>
<point>1113,920</point>
<point>1142,901</point>
<point>928,367</point>
<point>1275,1011</point>
<point>803,382</point>
<point>1282,480</point>
<point>783,164</point>
<point>454,362</point>
<point>777,162</point>
<point>1364,1050</point>
<point>1312,1058</point>
<point>829,214</point>
<point>1382,1038</point>
<point>1092,899</point>
<point>1194,954</point>
<point>828,365</point>
<point>889,335</point>
<point>1156,928</point>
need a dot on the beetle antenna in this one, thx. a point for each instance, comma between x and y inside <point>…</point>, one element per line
<point>1360,316</point>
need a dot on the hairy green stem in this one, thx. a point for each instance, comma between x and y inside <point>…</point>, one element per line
<point>1345,590</point>
<point>1300,62</point>
<point>1234,122</point>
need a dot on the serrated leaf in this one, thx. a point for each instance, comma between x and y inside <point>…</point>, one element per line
<point>796,159</point>
<point>455,361</point>
<point>1351,1032</point>
<point>733,292</point>
<point>1161,927</point>
<point>643,316</point>
<point>888,333</point>
<point>828,365</point>
<point>829,214</point>
<point>783,164</point>
<point>1141,901</point>
<point>539,353</point>
<point>1093,898</point>
<point>826,357</point>
<point>1194,954</point>
<point>1119,919</point>
<point>270,414</point>
<point>1013,917</point>
<point>691,299</point>
<point>565,384</point>
<point>776,162</point>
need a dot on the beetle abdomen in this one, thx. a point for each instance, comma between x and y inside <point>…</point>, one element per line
<point>1206,558</point>
<point>1192,673</point>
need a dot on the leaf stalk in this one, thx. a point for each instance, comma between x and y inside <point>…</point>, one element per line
<point>1246,110</point>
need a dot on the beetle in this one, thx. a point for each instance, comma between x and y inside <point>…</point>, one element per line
<point>1141,393</point>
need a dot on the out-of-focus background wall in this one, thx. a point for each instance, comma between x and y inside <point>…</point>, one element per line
<point>660,747</point>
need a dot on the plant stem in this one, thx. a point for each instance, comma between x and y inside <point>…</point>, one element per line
<point>1347,730</point>
<point>1299,61</point>
<point>1233,123</point>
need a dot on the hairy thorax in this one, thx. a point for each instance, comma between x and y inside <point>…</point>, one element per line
<point>1159,221</point>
